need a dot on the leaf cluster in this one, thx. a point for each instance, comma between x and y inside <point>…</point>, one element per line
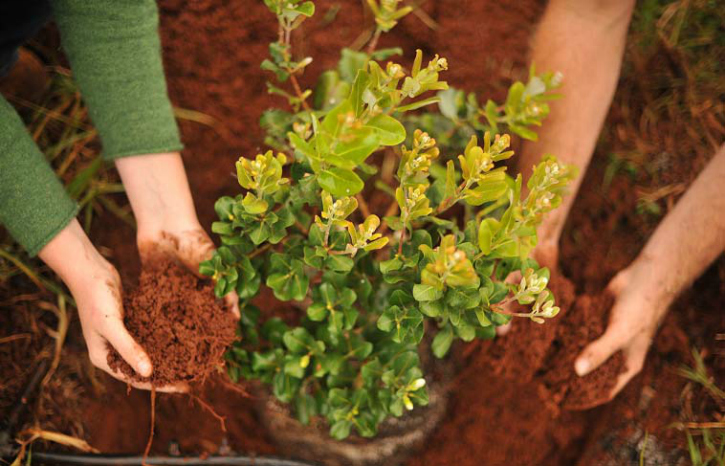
<point>373,292</point>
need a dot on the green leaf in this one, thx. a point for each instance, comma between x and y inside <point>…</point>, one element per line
<point>450,101</point>
<point>423,292</point>
<point>305,408</point>
<point>293,367</point>
<point>260,233</point>
<point>524,132</point>
<point>356,93</point>
<point>253,205</point>
<point>418,104</point>
<point>353,151</point>
<point>431,308</point>
<point>306,9</point>
<point>390,265</point>
<point>284,386</point>
<point>222,228</point>
<point>301,145</point>
<point>340,182</point>
<point>390,131</point>
<point>489,190</point>
<point>299,340</point>
<point>463,297</point>
<point>384,54</point>
<point>488,228</point>
<point>317,311</point>
<point>340,430</point>
<point>350,62</point>
<point>442,342</point>
<point>386,322</point>
<point>335,119</point>
<point>268,65</point>
<point>339,263</point>
<point>450,189</point>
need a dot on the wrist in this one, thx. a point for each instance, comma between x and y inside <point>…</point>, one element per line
<point>74,258</point>
<point>650,277</point>
<point>158,190</point>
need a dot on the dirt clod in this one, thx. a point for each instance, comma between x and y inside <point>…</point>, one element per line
<point>175,317</point>
<point>586,323</point>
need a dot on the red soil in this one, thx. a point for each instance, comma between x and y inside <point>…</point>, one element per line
<point>175,317</point>
<point>509,403</point>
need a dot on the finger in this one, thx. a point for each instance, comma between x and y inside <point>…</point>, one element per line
<point>598,351</point>
<point>194,247</point>
<point>130,351</point>
<point>232,301</point>
<point>514,277</point>
<point>98,352</point>
<point>504,329</point>
<point>635,356</point>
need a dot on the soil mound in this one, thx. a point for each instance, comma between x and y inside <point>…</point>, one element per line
<point>175,317</point>
<point>586,322</point>
<point>551,349</point>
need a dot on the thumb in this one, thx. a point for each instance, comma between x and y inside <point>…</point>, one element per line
<point>597,352</point>
<point>130,351</point>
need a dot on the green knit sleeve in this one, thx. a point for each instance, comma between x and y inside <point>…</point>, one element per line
<point>115,54</point>
<point>34,207</point>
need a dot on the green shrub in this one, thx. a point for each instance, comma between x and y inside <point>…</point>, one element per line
<point>370,288</point>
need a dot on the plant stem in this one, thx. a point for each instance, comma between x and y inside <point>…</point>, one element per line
<point>374,41</point>
<point>450,201</point>
<point>298,91</point>
<point>259,251</point>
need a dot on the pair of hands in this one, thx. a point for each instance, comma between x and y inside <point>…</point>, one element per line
<point>167,223</point>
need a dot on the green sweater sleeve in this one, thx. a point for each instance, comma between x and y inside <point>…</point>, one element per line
<point>34,207</point>
<point>115,54</point>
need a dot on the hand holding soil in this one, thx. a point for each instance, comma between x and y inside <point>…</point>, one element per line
<point>176,318</point>
<point>96,287</point>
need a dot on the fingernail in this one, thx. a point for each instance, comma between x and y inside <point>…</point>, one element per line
<point>144,368</point>
<point>581,367</point>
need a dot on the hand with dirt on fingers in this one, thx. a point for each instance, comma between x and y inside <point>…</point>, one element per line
<point>190,247</point>
<point>158,190</point>
<point>633,322</point>
<point>687,241</point>
<point>96,288</point>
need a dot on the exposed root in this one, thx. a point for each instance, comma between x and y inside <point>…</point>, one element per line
<point>206,406</point>
<point>153,425</point>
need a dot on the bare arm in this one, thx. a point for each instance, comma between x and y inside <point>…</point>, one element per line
<point>686,242</point>
<point>584,40</point>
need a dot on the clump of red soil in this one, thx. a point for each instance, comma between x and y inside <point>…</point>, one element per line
<point>175,317</point>
<point>585,324</point>
<point>508,352</point>
<point>550,350</point>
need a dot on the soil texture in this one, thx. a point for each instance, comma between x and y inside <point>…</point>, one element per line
<point>176,318</point>
<point>516,400</point>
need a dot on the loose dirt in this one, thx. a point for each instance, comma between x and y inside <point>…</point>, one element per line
<point>509,403</point>
<point>175,317</point>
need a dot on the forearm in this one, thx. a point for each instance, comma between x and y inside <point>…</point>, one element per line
<point>158,191</point>
<point>689,238</point>
<point>584,40</point>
